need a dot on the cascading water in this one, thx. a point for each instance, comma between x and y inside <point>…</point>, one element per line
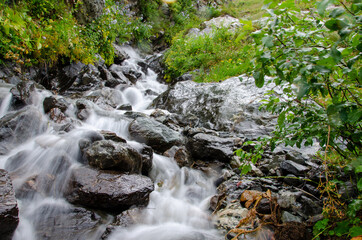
<point>177,208</point>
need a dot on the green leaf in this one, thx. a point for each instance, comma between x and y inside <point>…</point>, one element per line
<point>267,41</point>
<point>335,24</point>
<point>359,185</point>
<point>336,55</point>
<point>355,231</point>
<point>259,78</point>
<point>322,69</point>
<point>322,5</point>
<point>336,12</point>
<point>342,228</point>
<point>246,168</point>
<point>304,88</point>
<point>281,119</point>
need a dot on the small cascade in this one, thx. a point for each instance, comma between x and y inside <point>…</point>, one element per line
<point>41,165</point>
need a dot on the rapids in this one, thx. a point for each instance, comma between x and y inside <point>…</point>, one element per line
<point>177,209</point>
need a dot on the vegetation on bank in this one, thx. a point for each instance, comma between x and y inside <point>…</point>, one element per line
<point>312,51</point>
<point>46,31</point>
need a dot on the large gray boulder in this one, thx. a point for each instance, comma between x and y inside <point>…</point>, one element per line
<point>18,127</point>
<point>110,155</point>
<point>232,105</point>
<point>208,147</point>
<point>154,134</point>
<point>108,190</point>
<point>8,207</point>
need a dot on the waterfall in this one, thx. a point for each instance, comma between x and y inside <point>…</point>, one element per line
<point>177,209</point>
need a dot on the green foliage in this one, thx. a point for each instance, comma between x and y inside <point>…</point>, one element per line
<point>251,156</point>
<point>219,55</point>
<point>45,31</point>
<point>316,61</point>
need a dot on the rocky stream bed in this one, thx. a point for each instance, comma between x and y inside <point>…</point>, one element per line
<point>111,152</point>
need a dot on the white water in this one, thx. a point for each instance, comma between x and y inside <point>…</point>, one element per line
<point>177,208</point>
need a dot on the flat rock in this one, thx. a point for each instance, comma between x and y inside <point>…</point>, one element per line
<point>111,155</point>
<point>208,147</point>
<point>108,190</point>
<point>154,134</point>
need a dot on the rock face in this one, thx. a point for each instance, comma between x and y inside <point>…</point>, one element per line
<point>110,155</point>
<point>8,207</point>
<point>65,222</point>
<point>18,127</point>
<point>208,147</point>
<point>209,27</point>
<point>154,134</point>
<point>108,190</point>
<point>228,106</point>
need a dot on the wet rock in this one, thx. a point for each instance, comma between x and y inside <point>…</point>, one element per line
<point>57,115</point>
<point>120,54</point>
<point>154,134</point>
<point>18,127</point>
<point>310,207</point>
<point>125,107</point>
<point>83,111</point>
<point>90,77</point>
<point>57,222</point>
<point>297,169</point>
<point>109,155</point>
<point>229,217</point>
<point>68,75</point>
<point>288,217</point>
<point>52,102</point>
<point>287,199</point>
<point>22,94</point>
<point>292,180</point>
<point>16,161</point>
<point>208,147</point>
<point>8,207</point>
<point>108,190</point>
<point>147,159</point>
<point>180,154</point>
<point>231,105</point>
<point>132,74</point>
<point>106,98</point>
<point>112,136</point>
<point>125,219</point>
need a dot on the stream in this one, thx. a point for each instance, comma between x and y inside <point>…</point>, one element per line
<point>41,166</point>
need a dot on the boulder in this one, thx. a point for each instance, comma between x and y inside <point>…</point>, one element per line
<point>8,207</point>
<point>106,98</point>
<point>110,155</point>
<point>18,127</point>
<point>68,74</point>
<point>108,190</point>
<point>22,94</point>
<point>180,155</point>
<point>57,222</point>
<point>120,54</point>
<point>154,134</point>
<point>297,169</point>
<point>232,106</point>
<point>52,102</point>
<point>209,27</point>
<point>208,147</point>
